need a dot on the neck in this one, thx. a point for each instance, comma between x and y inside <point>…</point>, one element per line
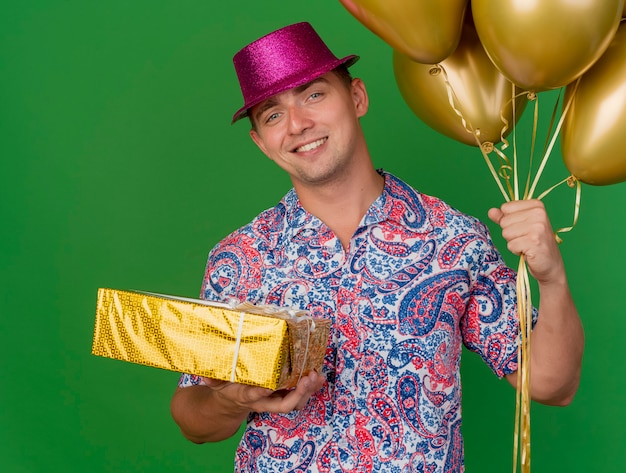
<point>342,203</point>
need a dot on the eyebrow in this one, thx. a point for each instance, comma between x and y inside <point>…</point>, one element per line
<point>303,87</point>
<point>271,102</point>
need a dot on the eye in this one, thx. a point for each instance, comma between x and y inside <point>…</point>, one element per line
<point>272,117</point>
<point>315,95</point>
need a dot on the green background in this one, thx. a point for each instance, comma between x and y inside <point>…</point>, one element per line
<point>119,168</point>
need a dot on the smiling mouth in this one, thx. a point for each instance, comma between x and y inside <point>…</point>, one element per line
<point>311,146</point>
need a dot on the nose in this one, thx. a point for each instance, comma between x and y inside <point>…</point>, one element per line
<point>299,120</point>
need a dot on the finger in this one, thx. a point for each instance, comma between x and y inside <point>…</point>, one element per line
<point>521,205</point>
<point>522,211</point>
<point>310,384</point>
<point>532,222</point>
<point>287,401</point>
<point>240,394</point>
<point>211,382</point>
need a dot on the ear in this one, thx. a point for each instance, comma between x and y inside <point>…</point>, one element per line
<point>359,96</point>
<point>258,141</point>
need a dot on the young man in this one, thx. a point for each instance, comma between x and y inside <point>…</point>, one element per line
<point>405,278</point>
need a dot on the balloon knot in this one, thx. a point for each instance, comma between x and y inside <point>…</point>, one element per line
<point>531,95</point>
<point>487,147</point>
<point>435,70</point>
<point>571,181</point>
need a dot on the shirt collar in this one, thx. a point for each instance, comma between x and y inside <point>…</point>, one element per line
<point>398,203</point>
<point>401,204</point>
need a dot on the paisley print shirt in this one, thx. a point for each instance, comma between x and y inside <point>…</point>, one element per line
<point>418,280</point>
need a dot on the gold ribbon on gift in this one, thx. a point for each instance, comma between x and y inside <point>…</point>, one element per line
<point>262,346</point>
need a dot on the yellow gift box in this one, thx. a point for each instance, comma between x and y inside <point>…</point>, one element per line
<point>263,346</point>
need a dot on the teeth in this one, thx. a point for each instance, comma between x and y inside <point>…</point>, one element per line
<point>310,146</point>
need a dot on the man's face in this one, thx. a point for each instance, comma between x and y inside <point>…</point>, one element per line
<point>312,131</point>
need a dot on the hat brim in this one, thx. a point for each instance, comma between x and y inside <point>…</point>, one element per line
<point>294,81</point>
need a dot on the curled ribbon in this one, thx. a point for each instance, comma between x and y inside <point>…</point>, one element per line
<point>507,172</point>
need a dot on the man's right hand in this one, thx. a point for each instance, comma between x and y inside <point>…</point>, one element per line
<point>214,410</point>
<point>256,399</point>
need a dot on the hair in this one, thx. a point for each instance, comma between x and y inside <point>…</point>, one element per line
<point>340,71</point>
<point>343,73</point>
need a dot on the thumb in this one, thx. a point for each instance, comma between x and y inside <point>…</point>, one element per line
<point>495,215</point>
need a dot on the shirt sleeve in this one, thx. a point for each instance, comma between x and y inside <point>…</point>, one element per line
<point>490,326</point>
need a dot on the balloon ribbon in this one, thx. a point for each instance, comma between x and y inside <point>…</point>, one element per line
<point>510,191</point>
